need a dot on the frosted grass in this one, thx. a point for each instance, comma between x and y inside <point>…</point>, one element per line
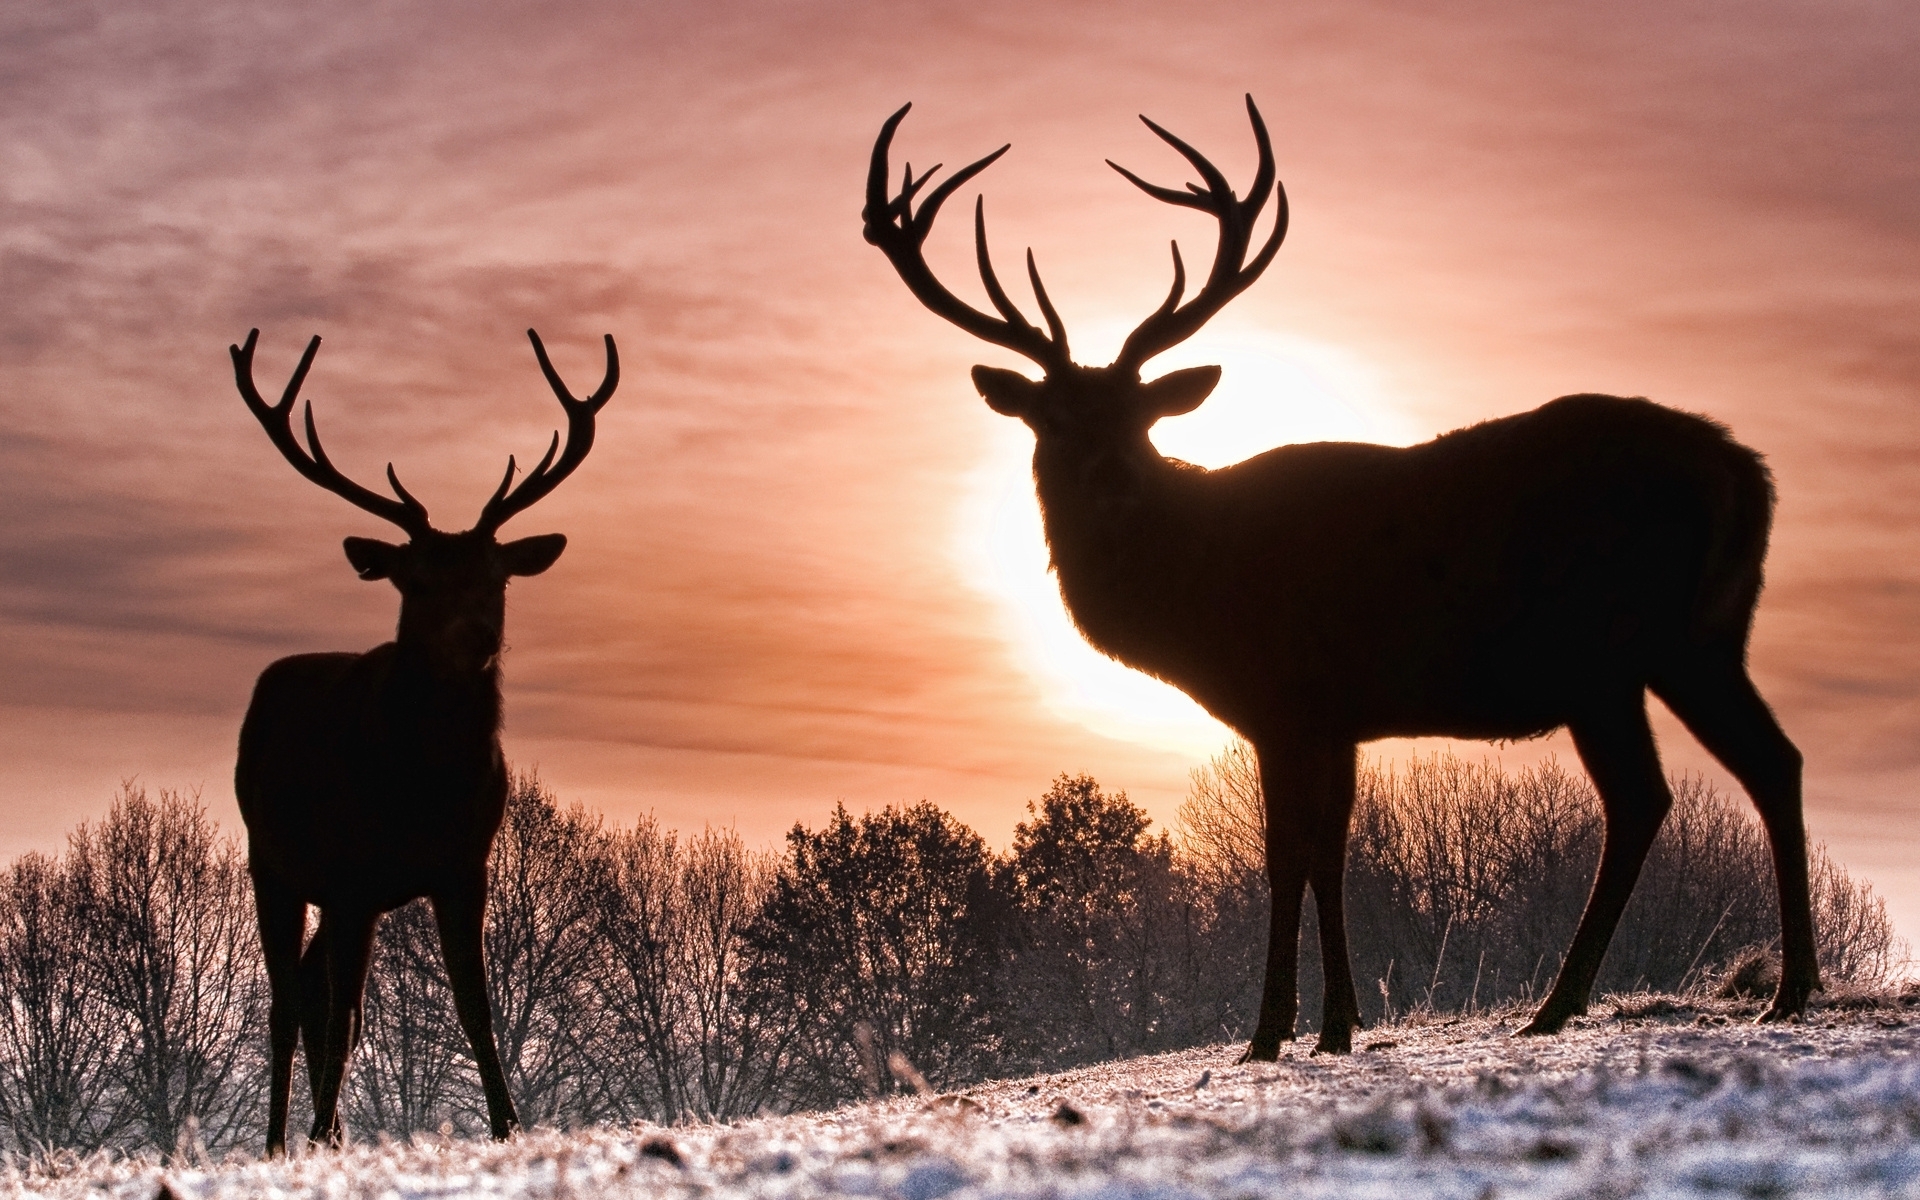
<point>1649,1097</point>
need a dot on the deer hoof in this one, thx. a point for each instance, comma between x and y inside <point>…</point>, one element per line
<point>1334,1041</point>
<point>1544,1024</point>
<point>1787,1005</point>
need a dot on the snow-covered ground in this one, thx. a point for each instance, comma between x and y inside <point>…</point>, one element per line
<point>1647,1097</point>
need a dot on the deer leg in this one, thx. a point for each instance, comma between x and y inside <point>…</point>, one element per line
<point>1619,753</point>
<point>349,951</point>
<point>1720,706</point>
<point>283,923</point>
<point>1340,1005</point>
<point>1280,993</point>
<point>1288,779</point>
<point>461,915</point>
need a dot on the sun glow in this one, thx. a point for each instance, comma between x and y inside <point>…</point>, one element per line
<point>1272,391</point>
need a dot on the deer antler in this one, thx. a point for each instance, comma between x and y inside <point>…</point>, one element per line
<point>900,233</point>
<point>406,512</point>
<point>580,423</point>
<point>1171,324</point>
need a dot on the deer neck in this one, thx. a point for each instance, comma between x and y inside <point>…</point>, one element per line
<point>1115,523</point>
<point>448,669</point>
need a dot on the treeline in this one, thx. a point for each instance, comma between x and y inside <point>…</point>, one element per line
<point>638,973</point>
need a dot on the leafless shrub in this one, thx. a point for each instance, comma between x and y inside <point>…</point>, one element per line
<point>1752,974</point>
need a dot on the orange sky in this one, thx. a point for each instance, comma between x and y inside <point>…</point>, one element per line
<point>801,567</point>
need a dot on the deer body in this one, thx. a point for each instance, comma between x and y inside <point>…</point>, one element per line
<point>1476,586</point>
<point>1525,574</point>
<point>365,780</point>
<point>370,780</point>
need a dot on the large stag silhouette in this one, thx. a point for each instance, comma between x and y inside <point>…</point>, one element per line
<point>1537,571</point>
<point>369,780</point>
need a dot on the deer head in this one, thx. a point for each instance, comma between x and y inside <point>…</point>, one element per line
<point>1072,402</point>
<point>452,585</point>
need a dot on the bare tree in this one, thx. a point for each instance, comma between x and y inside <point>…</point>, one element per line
<point>164,904</point>
<point>642,924</point>
<point>738,1033</point>
<point>694,1037</point>
<point>542,946</point>
<point>58,1039</point>
<point>1222,823</point>
<point>1466,883</point>
<point>413,1058</point>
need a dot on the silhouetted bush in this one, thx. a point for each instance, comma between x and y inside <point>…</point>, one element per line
<point>1101,957</point>
<point>880,933</point>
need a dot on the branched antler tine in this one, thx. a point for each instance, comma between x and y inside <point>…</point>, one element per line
<point>299,373</point>
<point>580,429</point>
<point>1264,174</point>
<point>243,376</point>
<point>1055,328</point>
<point>546,460</point>
<point>1281,214</point>
<point>418,509</point>
<point>408,513</point>
<point>877,172</point>
<point>553,377</point>
<point>1216,182</point>
<point>1187,199</point>
<point>312,462</point>
<point>1231,273</point>
<point>910,187</point>
<point>923,220</point>
<point>610,380</point>
<point>995,292</point>
<point>1173,293</point>
<point>505,481</point>
<point>314,448</point>
<point>899,232</point>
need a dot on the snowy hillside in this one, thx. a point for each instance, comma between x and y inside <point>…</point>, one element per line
<point>1646,1097</point>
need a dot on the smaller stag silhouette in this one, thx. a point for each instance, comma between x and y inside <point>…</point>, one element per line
<point>369,780</point>
<point>1538,571</point>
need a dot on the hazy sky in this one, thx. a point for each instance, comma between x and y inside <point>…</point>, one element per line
<point>803,564</point>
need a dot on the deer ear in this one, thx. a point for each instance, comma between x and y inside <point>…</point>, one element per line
<point>532,555</point>
<point>1008,393</point>
<point>1179,391</point>
<point>373,559</point>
